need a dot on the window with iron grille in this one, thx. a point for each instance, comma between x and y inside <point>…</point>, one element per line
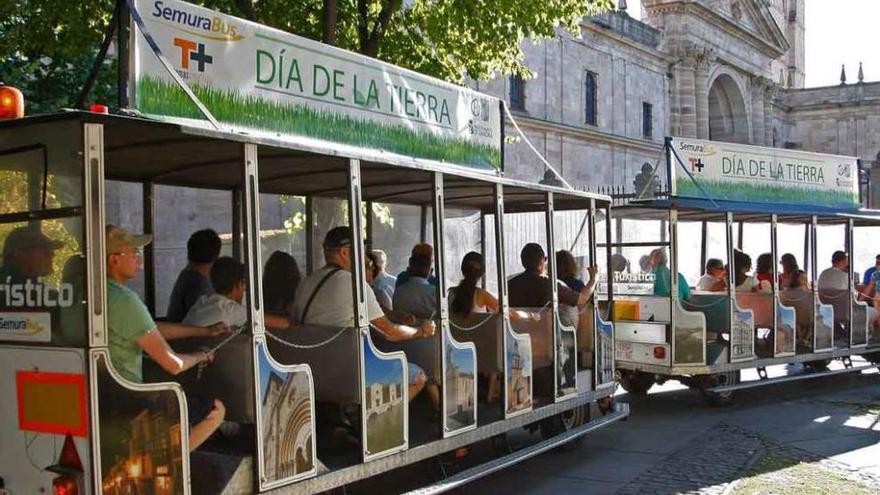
<point>517,96</point>
<point>647,120</point>
<point>590,100</point>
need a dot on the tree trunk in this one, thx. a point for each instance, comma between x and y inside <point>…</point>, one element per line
<point>247,9</point>
<point>371,39</point>
<point>330,21</point>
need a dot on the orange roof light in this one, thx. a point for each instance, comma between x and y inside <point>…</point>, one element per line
<point>11,103</point>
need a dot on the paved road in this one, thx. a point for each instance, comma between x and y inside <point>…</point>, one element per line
<point>674,443</point>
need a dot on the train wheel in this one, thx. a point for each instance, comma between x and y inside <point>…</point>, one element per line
<point>565,421</point>
<point>719,380</point>
<point>636,382</point>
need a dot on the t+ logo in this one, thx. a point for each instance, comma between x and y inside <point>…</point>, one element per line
<point>192,51</point>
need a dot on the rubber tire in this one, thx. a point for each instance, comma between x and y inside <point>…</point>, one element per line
<point>563,422</point>
<point>818,365</point>
<point>873,357</point>
<point>721,399</point>
<point>636,382</point>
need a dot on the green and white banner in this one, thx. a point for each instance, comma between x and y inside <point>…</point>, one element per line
<point>736,172</point>
<point>262,81</point>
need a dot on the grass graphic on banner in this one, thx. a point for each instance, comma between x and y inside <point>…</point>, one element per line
<point>721,190</point>
<point>157,97</point>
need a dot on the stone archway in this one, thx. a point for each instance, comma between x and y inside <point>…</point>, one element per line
<point>728,120</point>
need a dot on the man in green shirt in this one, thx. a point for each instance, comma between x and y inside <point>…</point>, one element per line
<point>131,328</point>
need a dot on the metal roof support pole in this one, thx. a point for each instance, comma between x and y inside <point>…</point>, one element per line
<point>554,294</point>
<point>814,274</point>
<point>849,276</point>
<point>149,219</point>
<point>731,282</point>
<point>252,256</point>
<point>673,275</point>
<point>774,253</point>
<point>356,221</point>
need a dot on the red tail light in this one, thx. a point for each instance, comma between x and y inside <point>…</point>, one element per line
<point>659,352</point>
<point>64,485</point>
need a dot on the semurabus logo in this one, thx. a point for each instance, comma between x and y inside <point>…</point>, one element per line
<point>212,28</point>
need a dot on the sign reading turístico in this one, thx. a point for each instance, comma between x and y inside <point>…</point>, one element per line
<point>736,172</point>
<point>259,80</point>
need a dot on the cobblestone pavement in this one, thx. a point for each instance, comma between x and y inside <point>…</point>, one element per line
<point>704,465</point>
<point>674,443</point>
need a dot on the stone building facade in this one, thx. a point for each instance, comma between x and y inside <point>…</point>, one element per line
<point>726,70</point>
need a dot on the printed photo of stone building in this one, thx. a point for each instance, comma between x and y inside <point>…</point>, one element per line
<point>518,374</point>
<point>384,403</point>
<point>460,388</point>
<point>288,448</point>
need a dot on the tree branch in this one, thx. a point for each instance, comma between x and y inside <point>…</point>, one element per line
<point>371,47</point>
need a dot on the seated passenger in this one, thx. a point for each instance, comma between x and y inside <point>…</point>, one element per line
<point>715,278</point>
<point>567,270</point>
<point>325,298</point>
<point>225,304</point>
<point>532,289</point>
<point>417,296</point>
<point>466,299</point>
<point>835,277</point>
<point>763,273</point>
<point>372,273</point>
<point>202,248</point>
<point>663,277</point>
<point>131,330</point>
<point>798,295</point>
<point>27,255</point>
<point>384,281</point>
<point>423,249</point>
<point>789,266</point>
<point>742,264</point>
<point>619,263</point>
<point>281,277</point>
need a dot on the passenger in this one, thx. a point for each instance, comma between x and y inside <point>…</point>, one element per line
<point>384,281</point>
<point>372,274</point>
<point>202,248</point>
<point>567,269</point>
<point>333,284</point>
<point>836,277</point>
<point>742,265</point>
<point>715,278</point>
<point>416,296</point>
<point>619,263</point>
<point>763,272</point>
<point>663,277</point>
<point>27,255</point>
<point>73,324</point>
<point>131,330</point>
<point>226,303</point>
<point>789,268</point>
<point>422,249</point>
<point>645,264</point>
<point>869,273</point>
<point>532,289</point>
<point>796,292</point>
<point>281,277</point>
<point>467,298</point>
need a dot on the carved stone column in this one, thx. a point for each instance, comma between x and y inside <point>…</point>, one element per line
<point>702,59</point>
<point>769,92</point>
<point>759,85</point>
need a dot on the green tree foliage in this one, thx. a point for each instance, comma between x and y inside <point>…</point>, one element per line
<point>49,45</point>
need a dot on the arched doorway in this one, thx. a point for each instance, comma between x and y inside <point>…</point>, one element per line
<point>727,112</point>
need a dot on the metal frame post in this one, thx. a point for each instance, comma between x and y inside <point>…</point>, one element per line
<point>355,221</point>
<point>849,277</point>
<point>96,258</point>
<point>252,256</point>
<point>237,223</point>
<point>814,279</point>
<point>774,253</point>
<point>673,277</point>
<point>731,282</point>
<point>439,249</point>
<point>148,191</point>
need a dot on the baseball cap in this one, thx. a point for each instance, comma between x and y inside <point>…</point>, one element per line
<point>337,238</point>
<point>28,237</point>
<point>118,238</point>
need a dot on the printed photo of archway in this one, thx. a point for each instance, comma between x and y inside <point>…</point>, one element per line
<point>288,448</point>
<point>459,386</point>
<point>824,327</point>
<point>566,366</point>
<point>785,325</point>
<point>604,351</point>
<point>518,372</point>
<point>140,439</point>
<point>384,401</point>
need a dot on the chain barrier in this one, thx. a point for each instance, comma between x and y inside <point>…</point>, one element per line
<point>293,345</point>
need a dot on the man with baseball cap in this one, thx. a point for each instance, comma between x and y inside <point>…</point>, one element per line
<point>27,255</point>
<point>325,298</point>
<point>132,330</point>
